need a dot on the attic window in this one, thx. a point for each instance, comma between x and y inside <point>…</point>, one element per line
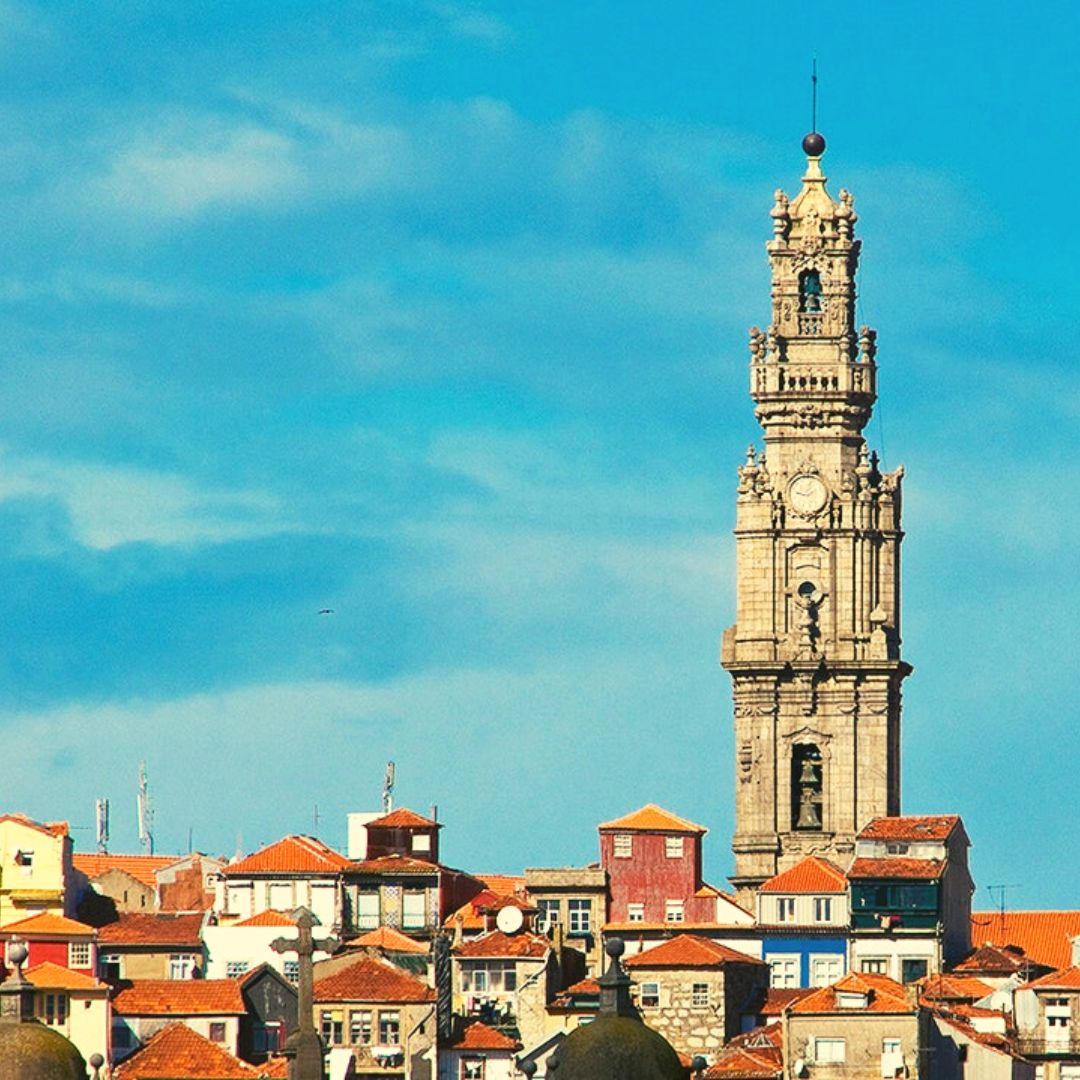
<point>896,849</point>
<point>847,999</point>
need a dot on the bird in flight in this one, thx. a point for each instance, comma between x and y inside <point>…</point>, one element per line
<point>326,611</point>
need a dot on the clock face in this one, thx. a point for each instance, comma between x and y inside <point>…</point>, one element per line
<point>807,495</point>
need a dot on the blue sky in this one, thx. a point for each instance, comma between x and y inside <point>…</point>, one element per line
<point>435,314</point>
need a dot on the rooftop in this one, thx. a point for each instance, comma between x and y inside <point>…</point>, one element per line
<point>139,928</point>
<point>269,917</point>
<point>497,944</point>
<point>1043,936</point>
<point>396,864</point>
<point>390,940</point>
<point>50,828</point>
<point>371,979</point>
<point>1064,979</point>
<point>689,950</point>
<point>291,855</point>
<point>883,996</point>
<point>653,818</point>
<point>478,1036</point>
<point>909,869</point>
<point>403,819</point>
<point>179,997</point>
<point>924,827</point>
<point>810,875</point>
<point>50,976</point>
<point>47,925</point>
<point>178,1053</point>
<point>142,868</point>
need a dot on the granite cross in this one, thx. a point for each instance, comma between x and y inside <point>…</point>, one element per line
<point>305,1046</point>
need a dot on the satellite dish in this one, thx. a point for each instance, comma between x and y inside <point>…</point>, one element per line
<point>509,920</point>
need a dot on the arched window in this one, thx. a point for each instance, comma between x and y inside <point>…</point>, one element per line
<point>810,291</point>
<point>807,787</point>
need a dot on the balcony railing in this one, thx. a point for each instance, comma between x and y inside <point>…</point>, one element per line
<point>1049,1047</point>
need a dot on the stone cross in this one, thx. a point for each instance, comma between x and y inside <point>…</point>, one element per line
<point>304,1046</point>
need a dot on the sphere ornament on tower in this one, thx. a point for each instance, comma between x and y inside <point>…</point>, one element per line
<point>813,144</point>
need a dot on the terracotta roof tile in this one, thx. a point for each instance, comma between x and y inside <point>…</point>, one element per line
<point>884,996</point>
<point>141,867</point>
<point>47,925</point>
<point>1064,979</point>
<point>498,944</point>
<point>653,818</point>
<point>138,928</point>
<point>179,997</point>
<point>924,827</point>
<point>269,917</point>
<point>369,979</point>
<point>810,875</point>
<point>50,976</point>
<point>178,1053</point>
<point>914,869</point>
<point>502,884</point>
<point>735,1063</point>
<point>992,960</point>
<point>51,828</point>
<point>478,1036</point>
<point>390,940</point>
<point>583,987</point>
<point>953,988</point>
<point>778,998</point>
<point>291,855</point>
<point>1044,936</point>
<point>689,950</point>
<point>396,864</point>
<point>403,819</point>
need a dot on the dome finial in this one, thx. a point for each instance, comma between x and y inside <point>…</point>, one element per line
<point>813,144</point>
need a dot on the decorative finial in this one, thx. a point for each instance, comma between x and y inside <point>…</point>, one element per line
<point>813,144</point>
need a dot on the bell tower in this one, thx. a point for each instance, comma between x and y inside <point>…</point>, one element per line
<point>814,654</point>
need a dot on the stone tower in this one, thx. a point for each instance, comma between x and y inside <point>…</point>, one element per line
<point>815,652</point>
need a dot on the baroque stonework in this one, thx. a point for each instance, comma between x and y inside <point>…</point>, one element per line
<point>814,655</point>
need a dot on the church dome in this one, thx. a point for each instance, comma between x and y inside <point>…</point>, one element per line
<point>32,1051</point>
<point>616,1045</point>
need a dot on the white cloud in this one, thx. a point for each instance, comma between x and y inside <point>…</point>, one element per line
<point>465,21</point>
<point>112,505</point>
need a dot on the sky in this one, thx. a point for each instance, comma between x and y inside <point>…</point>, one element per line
<point>434,314</point>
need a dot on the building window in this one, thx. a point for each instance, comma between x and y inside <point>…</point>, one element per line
<point>785,909</point>
<point>332,1027</point>
<point>367,911</point>
<point>110,966</point>
<point>822,908</point>
<point>291,970</point>
<point>79,954</point>
<point>235,968</point>
<point>1069,1072</point>
<point>360,1028</point>
<point>389,1028</point>
<point>783,971</point>
<point>549,914</point>
<point>472,1069</point>
<point>825,970</point>
<point>217,1031</point>
<point>635,912</point>
<point>913,970</point>
<point>624,845</point>
<point>25,859</point>
<point>488,976</point>
<point>807,787</point>
<point>891,1046</point>
<point>673,847</point>
<point>421,842</point>
<point>874,965</point>
<point>829,1050</point>
<point>180,966</point>
<point>673,911</point>
<point>53,1009</point>
<point>413,913</point>
<point>699,994</point>
<point>580,916</point>
<point>649,995</point>
<point>896,849</point>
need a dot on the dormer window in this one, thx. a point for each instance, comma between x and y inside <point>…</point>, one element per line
<point>849,999</point>
<point>810,292</point>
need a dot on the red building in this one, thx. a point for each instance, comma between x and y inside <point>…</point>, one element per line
<point>653,863</point>
<point>403,832</point>
<point>54,939</point>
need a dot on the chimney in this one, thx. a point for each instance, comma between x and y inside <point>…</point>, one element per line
<point>459,930</point>
<point>1076,951</point>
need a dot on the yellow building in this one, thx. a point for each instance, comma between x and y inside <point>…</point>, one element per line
<point>35,868</point>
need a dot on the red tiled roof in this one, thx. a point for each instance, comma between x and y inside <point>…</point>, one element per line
<point>735,1063</point>
<point>924,827</point>
<point>51,828</point>
<point>497,903</point>
<point>369,979</point>
<point>47,925</point>
<point>778,998</point>
<point>991,960</point>
<point>502,884</point>
<point>50,976</point>
<point>390,940</point>
<point>139,928</point>
<point>810,875</point>
<point>498,944</point>
<point>953,988</point>
<point>689,950</point>
<point>915,869</point>
<point>584,986</point>
<point>178,1053</point>
<point>1065,979</point>
<point>141,867</point>
<point>396,864</point>
<point>885,996</point>
<point>291,855</point>
<point>269,917</point>
<point>1044,936</point>
<point>179,997</point>
<point>275,1067</point>
<point>403,819</point>
<point>653,818</point>
<point>478,1036</point>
